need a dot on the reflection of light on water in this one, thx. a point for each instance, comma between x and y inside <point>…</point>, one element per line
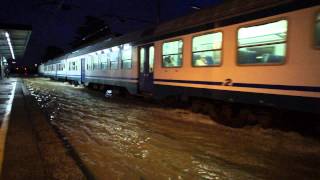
<point>125,141</point>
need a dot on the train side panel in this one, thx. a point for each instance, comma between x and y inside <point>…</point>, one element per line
<point>121,77</point>
<point>294,84</point>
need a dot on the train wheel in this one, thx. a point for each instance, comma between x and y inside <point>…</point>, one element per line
<point>213,112</point>
<point>247,117</point>
<point>196,106</point>
<point>265,119</point>
<point>171,101</point>
<point>225,115</point>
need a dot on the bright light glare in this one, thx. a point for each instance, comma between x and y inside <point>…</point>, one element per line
<point>10,45</point>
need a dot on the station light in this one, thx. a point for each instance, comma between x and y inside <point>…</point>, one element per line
<point>195,7</point>
<point>10,45</point>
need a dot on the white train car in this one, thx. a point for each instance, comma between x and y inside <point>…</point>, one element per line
<point>113,66</point>
<point>261,53</point>
<point>271,61</point>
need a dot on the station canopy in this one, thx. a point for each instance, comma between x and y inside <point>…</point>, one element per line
<point>13,40</point>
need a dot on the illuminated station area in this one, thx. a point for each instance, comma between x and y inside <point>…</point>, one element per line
<point>226,91</point>
<point>13,43</point>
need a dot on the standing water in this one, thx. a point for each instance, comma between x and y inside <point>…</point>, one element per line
<point>120,138</point>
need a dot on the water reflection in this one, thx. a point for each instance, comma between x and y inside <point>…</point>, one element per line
<point>124,139</point>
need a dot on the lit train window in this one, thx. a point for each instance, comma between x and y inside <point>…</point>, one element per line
<point>142,59</point>
<point>172,54</point>
<point>104,60</point>
<point>90,63</point>
<point>73,66</point>
<point>151,58</point>
<point>206,49</point>
<point>263,44</point>
<point>318,31</point>
<point>126,56</point>
<point>114,58</point>
<point>95,62</point>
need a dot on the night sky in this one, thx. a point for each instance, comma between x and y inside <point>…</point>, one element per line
<point>51,25</point>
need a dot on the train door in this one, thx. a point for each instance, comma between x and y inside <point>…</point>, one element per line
<point>146,59</point>
<point>83,70</point>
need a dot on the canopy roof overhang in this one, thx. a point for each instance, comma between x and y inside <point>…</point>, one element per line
<point>14,40</point>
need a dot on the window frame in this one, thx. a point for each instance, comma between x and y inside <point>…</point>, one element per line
<point>121,51</point>
<point>168,41</point>
<point>118,59</point>
<point>221,49</point>
<point>103,55</point>
<point>264,22</point>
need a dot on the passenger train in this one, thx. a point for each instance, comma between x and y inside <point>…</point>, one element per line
<point>264,53</point>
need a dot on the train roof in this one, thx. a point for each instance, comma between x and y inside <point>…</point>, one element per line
<point>226,13</point>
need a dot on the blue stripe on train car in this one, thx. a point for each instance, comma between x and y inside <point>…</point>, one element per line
<point>248,85</point>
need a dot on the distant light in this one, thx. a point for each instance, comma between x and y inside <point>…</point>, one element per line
<point>13,62</point>
<point>10,45</point>
<point>195,7</point>
<point>17,68</point>
<point>35,65</point>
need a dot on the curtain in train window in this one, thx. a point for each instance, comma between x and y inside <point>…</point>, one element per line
<point>114,57</point>
<point>206,49</point>
<point>126,56</point>
<point>263,44</point>
<point>172,54</point>
<point>318,31</point>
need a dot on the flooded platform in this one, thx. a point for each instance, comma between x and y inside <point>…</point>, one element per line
<point>125,138</point>
<point>29,147</point>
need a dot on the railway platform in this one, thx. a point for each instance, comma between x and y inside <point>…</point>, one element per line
<point>29,148</point>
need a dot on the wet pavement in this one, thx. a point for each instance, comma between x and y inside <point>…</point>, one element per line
<point>7,89</point>
<point>125,138</point>
<point>29,147</point>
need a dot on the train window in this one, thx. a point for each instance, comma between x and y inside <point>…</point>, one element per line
<point>318,31</point>
<point>60,67</point>
<point>73,66</point>
<point>95,62</point>
<point>90,63</point>
<point>206,49</point>
<point>172,53</point>
<point>104,60</point>
<point>114,58</point>
<point>142,59</point>
<point>263,44</point>
<point>126,56</point>
<point>151,59</point>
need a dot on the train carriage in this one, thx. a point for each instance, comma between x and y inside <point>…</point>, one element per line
<point>264,52</point>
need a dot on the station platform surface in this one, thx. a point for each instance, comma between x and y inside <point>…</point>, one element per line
<point>29,148</point>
